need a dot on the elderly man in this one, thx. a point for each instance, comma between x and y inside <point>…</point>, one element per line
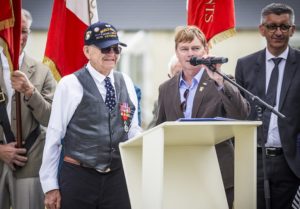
<point>94,110</point>
<point>20,188</point>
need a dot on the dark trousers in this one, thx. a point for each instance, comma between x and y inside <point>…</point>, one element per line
<point>283,182</point>
<point>85,188</point>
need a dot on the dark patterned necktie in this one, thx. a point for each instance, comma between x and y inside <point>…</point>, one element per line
<point>271,95</point>
<point>110,99</point>
<point>272,87</point>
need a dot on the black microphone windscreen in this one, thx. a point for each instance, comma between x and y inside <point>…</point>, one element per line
<point>193,61</point>
<point>208,61</point>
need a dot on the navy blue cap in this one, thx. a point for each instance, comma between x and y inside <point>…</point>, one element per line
<point>102,35</point>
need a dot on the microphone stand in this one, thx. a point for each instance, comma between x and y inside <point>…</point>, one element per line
<point>262,106</point>
<point>253,97</point>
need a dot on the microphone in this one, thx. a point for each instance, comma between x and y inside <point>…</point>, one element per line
<point>208,61</point>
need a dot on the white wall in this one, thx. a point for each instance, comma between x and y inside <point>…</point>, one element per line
<point>36,44</point>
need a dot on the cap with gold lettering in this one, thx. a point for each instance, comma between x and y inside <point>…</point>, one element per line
<point>102,35</point>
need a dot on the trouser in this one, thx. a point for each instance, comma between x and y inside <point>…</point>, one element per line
<point>283,182</point>
<point>24,193</point>
<point>86,188</point>
<point>7,188</point>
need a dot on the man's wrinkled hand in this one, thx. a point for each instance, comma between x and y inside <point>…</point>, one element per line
<point>215,76</point>
<point>21,83</point>
<point>52,199</point>
<point>12,156</point>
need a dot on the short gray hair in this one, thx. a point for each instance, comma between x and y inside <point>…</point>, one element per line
<point>28,16</point>
<point>278,9</point>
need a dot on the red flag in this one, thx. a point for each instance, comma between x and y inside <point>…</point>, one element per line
<point>10,31</point>
<point>64,48</point>
<point>215,18</point>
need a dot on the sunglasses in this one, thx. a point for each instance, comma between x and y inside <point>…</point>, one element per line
<point>273,27</point>
<point>107,50</point>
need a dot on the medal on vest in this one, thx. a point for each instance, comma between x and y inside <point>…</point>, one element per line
<point>125,114</point>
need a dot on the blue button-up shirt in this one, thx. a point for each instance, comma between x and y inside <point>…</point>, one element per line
<point>183,85</point>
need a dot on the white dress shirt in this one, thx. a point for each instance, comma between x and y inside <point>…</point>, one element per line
<point>67,97</point>
<point>273,132</point>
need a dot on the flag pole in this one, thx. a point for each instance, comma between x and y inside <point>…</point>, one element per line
<point>89,11</point>
<point>18,119</point>
<point>17,35</point>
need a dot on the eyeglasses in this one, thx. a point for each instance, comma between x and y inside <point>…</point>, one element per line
<point>183,104</point>
<point>273,27</point>
<point>107,50</point>
<point>25,31</point>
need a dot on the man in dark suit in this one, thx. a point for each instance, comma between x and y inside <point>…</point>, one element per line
<point>198,92</point>
<point>255,73</point>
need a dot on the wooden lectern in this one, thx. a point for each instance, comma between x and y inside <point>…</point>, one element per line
<point>175,166</point>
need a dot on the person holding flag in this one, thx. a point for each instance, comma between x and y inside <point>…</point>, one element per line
<point>20,187</point>
<point>94,109</point>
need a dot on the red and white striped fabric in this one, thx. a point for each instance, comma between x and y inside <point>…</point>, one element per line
<point>64,48</point>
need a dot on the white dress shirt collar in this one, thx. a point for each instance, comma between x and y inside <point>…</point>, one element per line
<point>283,55</point>
<point>97,75</point>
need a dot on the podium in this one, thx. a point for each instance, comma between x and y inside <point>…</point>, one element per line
<point>175,166</point>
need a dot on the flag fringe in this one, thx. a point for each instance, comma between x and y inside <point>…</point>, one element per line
<point>8,23</point>
<point>47,61</point>
<point>221,36</point>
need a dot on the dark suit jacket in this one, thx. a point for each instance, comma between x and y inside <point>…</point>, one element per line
<point>35,112</point>
<point>251,74</point>
<point>208,102</point>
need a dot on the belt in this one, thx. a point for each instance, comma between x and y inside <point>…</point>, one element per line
<point>272,151</point>
<point>76,162</point>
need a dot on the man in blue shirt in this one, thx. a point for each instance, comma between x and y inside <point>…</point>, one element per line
<point>197,92</point>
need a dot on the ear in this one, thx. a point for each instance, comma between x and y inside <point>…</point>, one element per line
<point>292,30</point>
<point>86,51</point>
<point>176,53</point>
<point>262,29</point>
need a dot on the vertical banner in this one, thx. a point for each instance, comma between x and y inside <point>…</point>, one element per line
<point>216,18</point>
<point>10,31</point>
<point>64,48</point>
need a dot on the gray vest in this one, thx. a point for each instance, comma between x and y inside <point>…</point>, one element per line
<point>94,133</point>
